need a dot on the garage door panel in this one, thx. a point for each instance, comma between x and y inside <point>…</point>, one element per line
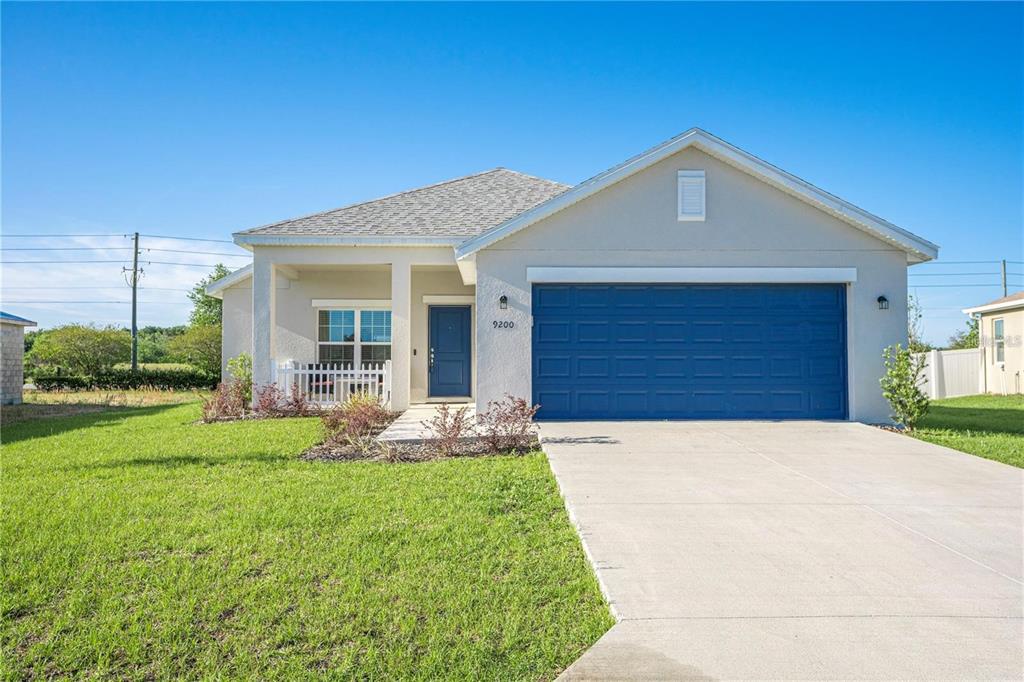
<point>689,351</point>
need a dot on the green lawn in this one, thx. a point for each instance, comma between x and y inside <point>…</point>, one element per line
<point>990,426</point>
<point>137,544</point>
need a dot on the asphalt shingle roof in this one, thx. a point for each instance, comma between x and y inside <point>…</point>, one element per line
<point>463,207</point>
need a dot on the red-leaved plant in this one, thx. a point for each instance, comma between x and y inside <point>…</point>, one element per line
<point>448,427</point>
<point>268,401</point>
<point>507,424</point>
<point>356,421</point>
<point>227,400</point>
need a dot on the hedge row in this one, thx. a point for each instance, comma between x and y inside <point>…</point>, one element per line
<point>125,379</point>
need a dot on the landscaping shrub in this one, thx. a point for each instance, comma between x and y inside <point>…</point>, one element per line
<point>186,379</point>
<point>506,425</point>
<point>901,385</point>
<point>227,401</point>
<point>240,369</point>
<point>269,401</point>
<point>356,421</point>
<point>448,427</point>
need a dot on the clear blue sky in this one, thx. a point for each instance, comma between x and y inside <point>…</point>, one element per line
<point>203,119</point>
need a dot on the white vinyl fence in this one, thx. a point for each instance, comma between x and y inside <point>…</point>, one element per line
<point>950,373</point>
<point>328,383</point>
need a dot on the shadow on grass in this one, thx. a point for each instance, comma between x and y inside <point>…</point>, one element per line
<point>182,461</point>
<point>992,420</point>
<point>49,425</point>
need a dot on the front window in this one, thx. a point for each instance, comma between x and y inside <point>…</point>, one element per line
<point>1000,341</point>
<point>337,342</point>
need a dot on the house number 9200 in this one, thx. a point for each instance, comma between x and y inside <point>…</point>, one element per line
<point>503,324</point>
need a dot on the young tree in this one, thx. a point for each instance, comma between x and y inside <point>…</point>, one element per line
<point>206,309</point>
<point>965,338</point>
<point>901,385</point>
<point>199,346</point>
<point>81,349</point>
<point>915,325</point>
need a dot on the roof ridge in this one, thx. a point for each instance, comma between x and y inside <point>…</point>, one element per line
<point>376,199</point>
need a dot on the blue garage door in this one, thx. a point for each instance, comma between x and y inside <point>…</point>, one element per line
<point>613,351</point>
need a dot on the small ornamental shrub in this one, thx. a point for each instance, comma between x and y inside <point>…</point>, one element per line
<point>298,405</point>
<point>356,421</point>
<point>901,385</point>
<point>507,424</point>
<point>448,427</point>
<point>227,401</point>
<point>240,369</point>
<point>269,401</point>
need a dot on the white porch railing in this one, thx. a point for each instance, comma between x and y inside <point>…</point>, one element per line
<point>329,383</point>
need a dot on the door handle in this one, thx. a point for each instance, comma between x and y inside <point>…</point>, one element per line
<point>431,358</point>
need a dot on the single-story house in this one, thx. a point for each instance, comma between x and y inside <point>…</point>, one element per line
<point>12,352</point>
<point>1001,339</point>
<point>693,280</point>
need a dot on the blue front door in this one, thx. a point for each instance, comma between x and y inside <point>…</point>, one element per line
<point>450,360</point>
<point>689,351</point>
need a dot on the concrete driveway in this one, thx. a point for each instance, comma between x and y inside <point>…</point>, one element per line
<point>794,550</point>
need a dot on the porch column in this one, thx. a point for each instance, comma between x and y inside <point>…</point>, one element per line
<point>263,307</point>
<point>401,333</point>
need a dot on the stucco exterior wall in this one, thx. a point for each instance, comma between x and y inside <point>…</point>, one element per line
<point>12,373</point>
<point>236,321</point>
<point>748,224</point>
<point>1007,377</point>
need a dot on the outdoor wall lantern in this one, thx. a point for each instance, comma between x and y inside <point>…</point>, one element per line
<point>883,303</point>
<point>503,302</point>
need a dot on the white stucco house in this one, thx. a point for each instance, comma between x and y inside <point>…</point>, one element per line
<point>691,281</point>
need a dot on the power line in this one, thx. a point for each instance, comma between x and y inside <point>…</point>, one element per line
<point>928,286</point>
<point>51,262</point>
<point>949,274</point>
<point>190,265</point>
<point>121,286</point>
<point>44,236</point>
<point>958,262</point>
<point>188,239</point>
<point>205,253</point>
<point>79,302</point>
<point>71,248</point>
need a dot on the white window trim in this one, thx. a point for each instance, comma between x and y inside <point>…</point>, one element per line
<point>683,176</point>
<point>996,341</point>
<point>357,353</point>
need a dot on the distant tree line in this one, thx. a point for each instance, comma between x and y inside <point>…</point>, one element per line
<point>89,350</point>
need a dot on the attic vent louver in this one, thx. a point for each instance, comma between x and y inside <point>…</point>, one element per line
<point>691,195</point>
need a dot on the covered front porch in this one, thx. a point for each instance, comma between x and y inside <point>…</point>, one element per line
<point>398,323</point>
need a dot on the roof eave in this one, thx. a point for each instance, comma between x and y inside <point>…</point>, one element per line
<point>994,307</point>
<point>249,240</point>
<point>216,289</point>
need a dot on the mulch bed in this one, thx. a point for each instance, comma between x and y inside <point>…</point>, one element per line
<point>404,452</point>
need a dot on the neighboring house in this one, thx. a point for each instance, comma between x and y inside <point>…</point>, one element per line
<point>12,352</point>
<point>692,281</point>
<point>1001,339</point>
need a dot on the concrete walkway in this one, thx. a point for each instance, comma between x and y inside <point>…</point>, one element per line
<point>409,426</point>
<point>801,550</point>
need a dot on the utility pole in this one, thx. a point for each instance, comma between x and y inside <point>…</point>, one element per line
<point>1003,268</point>
<point>135,303</point>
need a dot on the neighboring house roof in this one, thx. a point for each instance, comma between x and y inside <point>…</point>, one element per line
<point>1011,302</point>
<point>917,249</point>
<point>216,288</point>
<point>447,212</point>
<point>8,318</point>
